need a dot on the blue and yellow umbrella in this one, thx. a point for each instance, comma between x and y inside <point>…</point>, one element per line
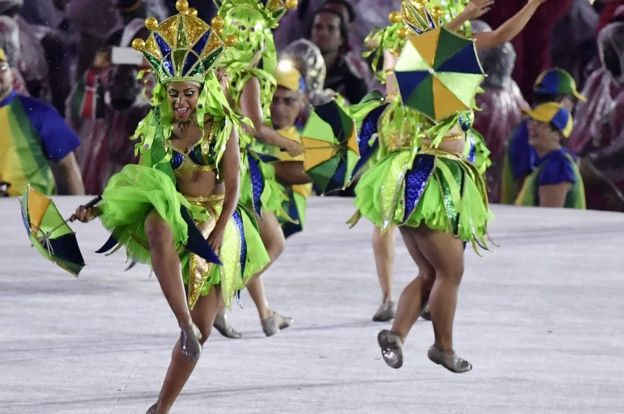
<point>331,147</point>
<point>438,73</point>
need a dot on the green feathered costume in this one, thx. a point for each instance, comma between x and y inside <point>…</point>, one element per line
<point>410,181</point>
<point>184,54</point>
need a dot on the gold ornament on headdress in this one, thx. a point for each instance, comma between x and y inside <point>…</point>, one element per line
<point>181,48</point>
<point>418,18</point>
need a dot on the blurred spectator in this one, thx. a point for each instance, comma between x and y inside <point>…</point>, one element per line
<point>133,10</point>
<point>531,59</point>
<point>45,20</point>
<point>359,65</point>
<point>609,12</point>
<point>309,61</point>
<point>30,60</point>
<point>500,106</point>
<point>599,129</point>
<point>9,42</point>
<point>329,33</point>
<point>573,40</point>
<point>36,146</point>
<point>555,180</point>
<point>93,20</point>
<point>105,108</point>
<point>553,85</point>
<point>205,8</point>
<point>296,23</point>
<point>43,12</point>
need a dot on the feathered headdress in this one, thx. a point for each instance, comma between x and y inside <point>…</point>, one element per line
<point>415,17</point>
<point>271,10</point>
<point>183,47</point>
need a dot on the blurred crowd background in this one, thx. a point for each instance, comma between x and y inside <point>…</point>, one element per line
<point>61,52</point>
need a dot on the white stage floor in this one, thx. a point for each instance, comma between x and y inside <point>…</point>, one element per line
<point>540,318</point>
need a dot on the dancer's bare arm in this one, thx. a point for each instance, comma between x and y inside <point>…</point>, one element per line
<point>252,108</point>
<point>508,30</point>
<point>473,10</point>
<point>230,171</point>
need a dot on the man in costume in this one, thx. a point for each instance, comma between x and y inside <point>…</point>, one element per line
<point>553,85</point>
<point>555,180</point>
<point>289,102</point>
<point>36,145</point>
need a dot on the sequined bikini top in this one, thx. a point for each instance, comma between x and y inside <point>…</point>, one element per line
<point>201,157</point>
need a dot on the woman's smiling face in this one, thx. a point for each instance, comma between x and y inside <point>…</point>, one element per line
<point>183,98</point>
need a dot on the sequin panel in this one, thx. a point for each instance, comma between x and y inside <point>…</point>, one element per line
<point>176,160</point>
<point>257,183</point>
<point>241,229</point>
<point>165,49</point>
<point>472,154</point>
<point>191,59</point>
<point>416,181</point>
<point>167,66</point>
<point>368,129</point>
<point>201,43</point>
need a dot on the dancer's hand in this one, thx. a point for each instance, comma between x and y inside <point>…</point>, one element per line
<point>85,214</point>
<point>215,240</point>
<point>477,8</point>
<point>292,148</point>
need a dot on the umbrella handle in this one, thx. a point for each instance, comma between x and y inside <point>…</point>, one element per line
<point>93,202</point>
<point>90,204</point>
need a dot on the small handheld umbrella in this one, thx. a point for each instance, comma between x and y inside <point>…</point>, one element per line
<point>331,147</point>
<point>49,233</point>
<point>438,73</point>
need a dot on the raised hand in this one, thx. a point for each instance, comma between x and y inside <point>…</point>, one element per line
<point>477,8</point>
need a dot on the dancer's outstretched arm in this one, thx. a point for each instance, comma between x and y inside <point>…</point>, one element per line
<point>505,32</point>
<point>473,10</point>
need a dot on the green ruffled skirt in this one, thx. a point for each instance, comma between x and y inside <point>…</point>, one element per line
<point>135,191</point>
<point>439,190</point>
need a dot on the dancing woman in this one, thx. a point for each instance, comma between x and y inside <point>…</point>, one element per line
<point>184,191</point>
<point>425,184</point>
<point>248,68</point>
<point>387,43</point>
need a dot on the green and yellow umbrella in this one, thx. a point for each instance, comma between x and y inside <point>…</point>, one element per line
<point>49,233</point>
<point>331,148</point>
<point>438,73</point>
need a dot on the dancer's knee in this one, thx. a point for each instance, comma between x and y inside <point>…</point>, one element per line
<point>205,330</point>
<point>156,229</point>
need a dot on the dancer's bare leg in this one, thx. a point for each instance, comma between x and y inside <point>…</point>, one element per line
<point>383,249</point>
<point>416,293</point>
<point>446,254</point>
<point>180,367</point>
<point>274,242</point>
<point>166,265</point>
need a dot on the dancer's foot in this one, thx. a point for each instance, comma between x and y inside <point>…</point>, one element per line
<point>153,409</point>
<point>391,348</point>
<point>274,323</point>
<point>223,326</point>
<point>385,312</point>
<point>189,342</point>
<point>425,314</point>
<point>449,360</point>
